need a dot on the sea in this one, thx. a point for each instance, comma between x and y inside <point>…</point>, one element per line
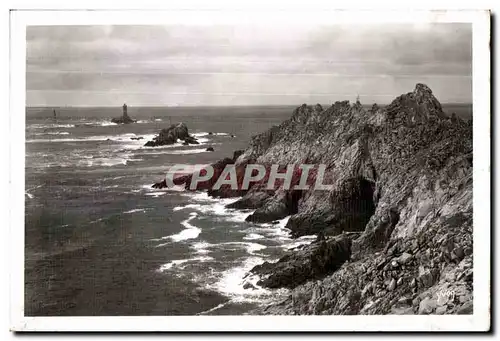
<point>99,240</point>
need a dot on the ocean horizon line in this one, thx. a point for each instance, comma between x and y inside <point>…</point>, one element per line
<point>208,106</point>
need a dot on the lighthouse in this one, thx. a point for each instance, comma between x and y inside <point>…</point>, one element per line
<point>125,118</point>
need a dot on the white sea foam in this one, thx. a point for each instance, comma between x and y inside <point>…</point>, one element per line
<point>250,247</point>
<point>199,134</point>
<point>186,151</point>
<point>202,247</point>
<point>217,307</point>
<point>253,236</point>
<point>203,133</point>
<point>29,195</point>
<point>204,197</point>
<point>53,133</point>
<point>51,125</point>
<point>202,141</point>
<point>231,283</point>
<point>158,119</point>
<point>305,240</point>
<point>191,231</point>
<point>155,194</point>
<point>238,216</point>
<point>135,210</point>
<point>177,263</point>
<point>282,223</point>
<point>274,231</point>
<point>106,123</point>
<point>103,162</point>
<point>171,264</point>
<point>178,208</point>
<point>117,138</point>
<point>215,206</point>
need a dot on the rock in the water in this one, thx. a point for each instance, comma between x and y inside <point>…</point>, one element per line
<point>171,135</point>
<point>253,201</point>
<point>274,208</point>
<point>312,262</point>
<point>210,149</point>
<point>190,140</point>
<point>124,119</point>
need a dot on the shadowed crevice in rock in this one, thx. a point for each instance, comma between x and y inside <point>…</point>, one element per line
<point>281,205</point>
<point>351,208</point>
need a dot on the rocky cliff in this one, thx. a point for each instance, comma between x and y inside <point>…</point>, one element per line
<point>395,232</point>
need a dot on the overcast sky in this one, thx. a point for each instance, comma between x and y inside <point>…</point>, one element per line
<point>244,65</point>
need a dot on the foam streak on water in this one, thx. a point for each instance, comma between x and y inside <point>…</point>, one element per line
<point>190,232</point>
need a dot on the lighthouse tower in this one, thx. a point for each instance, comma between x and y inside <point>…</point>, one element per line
<point>125,110</point>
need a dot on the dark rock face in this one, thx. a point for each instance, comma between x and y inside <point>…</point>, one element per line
<point>124,119</point>
<point>309,263</point>
<point>273,208</point>
<point>236,154</point>
<point>352,205</point>
<point>190,140</point>
<point>253,201</point>
<point>171,134</point>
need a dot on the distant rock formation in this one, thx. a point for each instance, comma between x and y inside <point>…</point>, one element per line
<point>124,119</point>
<point>171,134</point>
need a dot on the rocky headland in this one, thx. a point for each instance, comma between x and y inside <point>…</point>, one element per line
<point>394,234</point>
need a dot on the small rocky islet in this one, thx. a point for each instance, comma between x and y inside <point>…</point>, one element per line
<point>171,135</point>
<point>394,234</point>
<point>125,118</point>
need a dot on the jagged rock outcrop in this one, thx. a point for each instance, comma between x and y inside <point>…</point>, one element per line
<point>171,135</point>
<point>307,263</point>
